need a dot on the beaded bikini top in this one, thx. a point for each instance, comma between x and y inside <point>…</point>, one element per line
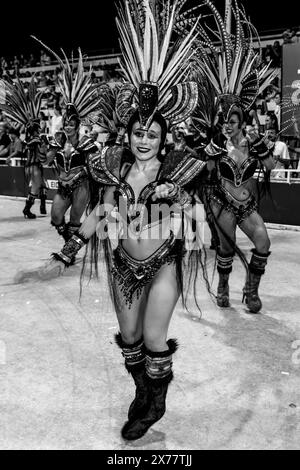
<point>106,168</point>
<point>77,157</point>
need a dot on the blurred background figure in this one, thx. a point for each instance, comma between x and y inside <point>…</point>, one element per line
<point>15,149</point>
<point>56,124</point>
<point>94,136</point>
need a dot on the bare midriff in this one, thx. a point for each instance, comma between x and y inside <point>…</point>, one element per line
<point>67,177</point>
<point>240,193</point>
<point>142,244</point>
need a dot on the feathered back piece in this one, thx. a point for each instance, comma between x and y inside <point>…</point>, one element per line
<point>20,105</point>
<point>76,87</point>
<point>205,113</point>
<point>105,115</point>
<point>155,69</point>
<point>229,60</point>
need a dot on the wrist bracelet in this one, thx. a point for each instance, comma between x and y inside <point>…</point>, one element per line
<point>182,198</point>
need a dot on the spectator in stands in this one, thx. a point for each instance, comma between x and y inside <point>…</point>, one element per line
<point>271,121</point>
<point>51,97</point>
<point>4,140</point>
<point>32,61</point>
<point>289,36</point>
<point>252,121</point>
<point>277,52</point>
<point>270,98</point>
<point>181,140</point>
<point>42,82</point>
<point>16,64</point>
<point>94,136</point>
<point>23,61</point>
<point>268,54</point>
<point>49,79</point>
<point>42,58</point>
<point>277,110</point>
<point>15,147</point>
<point>280,152</point>
<point>56,124</point>
<point>94,78</point>
<point>43,123</point>
<point>261,105</point>
<point>47,59</point>
<point>3,63</point>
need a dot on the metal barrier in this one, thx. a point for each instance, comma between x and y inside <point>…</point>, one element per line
<point>281,175</point>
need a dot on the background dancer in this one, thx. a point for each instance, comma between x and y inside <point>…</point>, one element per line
<point>23,107</point>
<point>68,150</point>
<point>237,77</point>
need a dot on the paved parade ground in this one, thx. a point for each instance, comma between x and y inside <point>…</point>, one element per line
<point>62,380</point>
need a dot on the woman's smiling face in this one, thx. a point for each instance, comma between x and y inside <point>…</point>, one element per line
<point>71,127</point>
<point>232,126</point>
<point>145,145</point>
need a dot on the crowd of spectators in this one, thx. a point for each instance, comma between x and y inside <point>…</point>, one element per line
<point>265,113</point>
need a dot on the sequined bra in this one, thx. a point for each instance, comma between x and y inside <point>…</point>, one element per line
<point>106,168</point>
<point>238,175</point>
<point>77,157</point>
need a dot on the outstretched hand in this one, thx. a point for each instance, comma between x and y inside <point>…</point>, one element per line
<point>162,191</point>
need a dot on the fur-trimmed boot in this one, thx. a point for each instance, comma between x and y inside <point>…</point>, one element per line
<point>257,267</point>
<point>159,375</point>
<point>28,205</point>
<point>135,358</point>
<point>224,266</point>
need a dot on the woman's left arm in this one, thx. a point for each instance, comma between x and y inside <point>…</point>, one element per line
<point>262,148</point>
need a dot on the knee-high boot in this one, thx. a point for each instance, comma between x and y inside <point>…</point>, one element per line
<point>257,267</point>
<point>61,229</point>
<point>28,205</point>
<point>159,375</point>
<point>224,266</point>
<point>135,358</point>
<point>70,230</point>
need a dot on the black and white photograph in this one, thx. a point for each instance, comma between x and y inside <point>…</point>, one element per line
<point>150,228</point>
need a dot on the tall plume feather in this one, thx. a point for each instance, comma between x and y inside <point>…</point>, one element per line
<point>75,86</point>
<point>19,105</point>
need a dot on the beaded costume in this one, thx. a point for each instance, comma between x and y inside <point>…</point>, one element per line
<point>156,95</point>
<point>80,99</point>
<point>71,162</point>
<point>23,107</point>
<point>236,77</point>
<point>182,170</point>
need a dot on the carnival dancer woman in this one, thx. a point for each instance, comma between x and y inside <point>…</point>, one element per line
<point>146,193</point>
<point>237,77</point>
<point>23,107</point>
<point>68,151</point>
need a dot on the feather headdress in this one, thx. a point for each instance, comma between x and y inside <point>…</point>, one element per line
<point>154,67</point>
<point>78,91</point>
<point>106,115</point>
<point>229,59</point>
<point>111,97</point>
<point>20,105</point>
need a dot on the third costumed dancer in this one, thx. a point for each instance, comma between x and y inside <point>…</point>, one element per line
<point>236,77</point>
